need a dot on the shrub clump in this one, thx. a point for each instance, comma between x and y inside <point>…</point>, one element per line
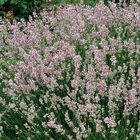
<point>74,76</point>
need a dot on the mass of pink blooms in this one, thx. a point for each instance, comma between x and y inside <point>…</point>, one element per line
<point>72,74</point>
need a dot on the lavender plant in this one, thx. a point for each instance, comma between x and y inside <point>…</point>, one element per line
<point>74,76</point>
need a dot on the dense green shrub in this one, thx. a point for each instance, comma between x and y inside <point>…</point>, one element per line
<point>20,7</point>
<point>24,8</point>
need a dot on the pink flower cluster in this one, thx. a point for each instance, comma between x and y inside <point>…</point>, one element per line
<point>82,76</point>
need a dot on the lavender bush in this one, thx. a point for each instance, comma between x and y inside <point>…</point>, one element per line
<point>72,76</point>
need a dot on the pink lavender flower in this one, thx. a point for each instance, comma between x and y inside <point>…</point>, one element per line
<point>51,124</point>
<point>101,87</point>
<point>110,122</point>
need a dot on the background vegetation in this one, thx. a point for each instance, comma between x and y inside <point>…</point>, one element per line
<point>23,8</point>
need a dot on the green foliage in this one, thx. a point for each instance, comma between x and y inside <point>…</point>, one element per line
<point>21,8</point>
<point>2,2</point>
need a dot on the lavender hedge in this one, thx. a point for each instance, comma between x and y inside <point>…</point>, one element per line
<point>72,76</point>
